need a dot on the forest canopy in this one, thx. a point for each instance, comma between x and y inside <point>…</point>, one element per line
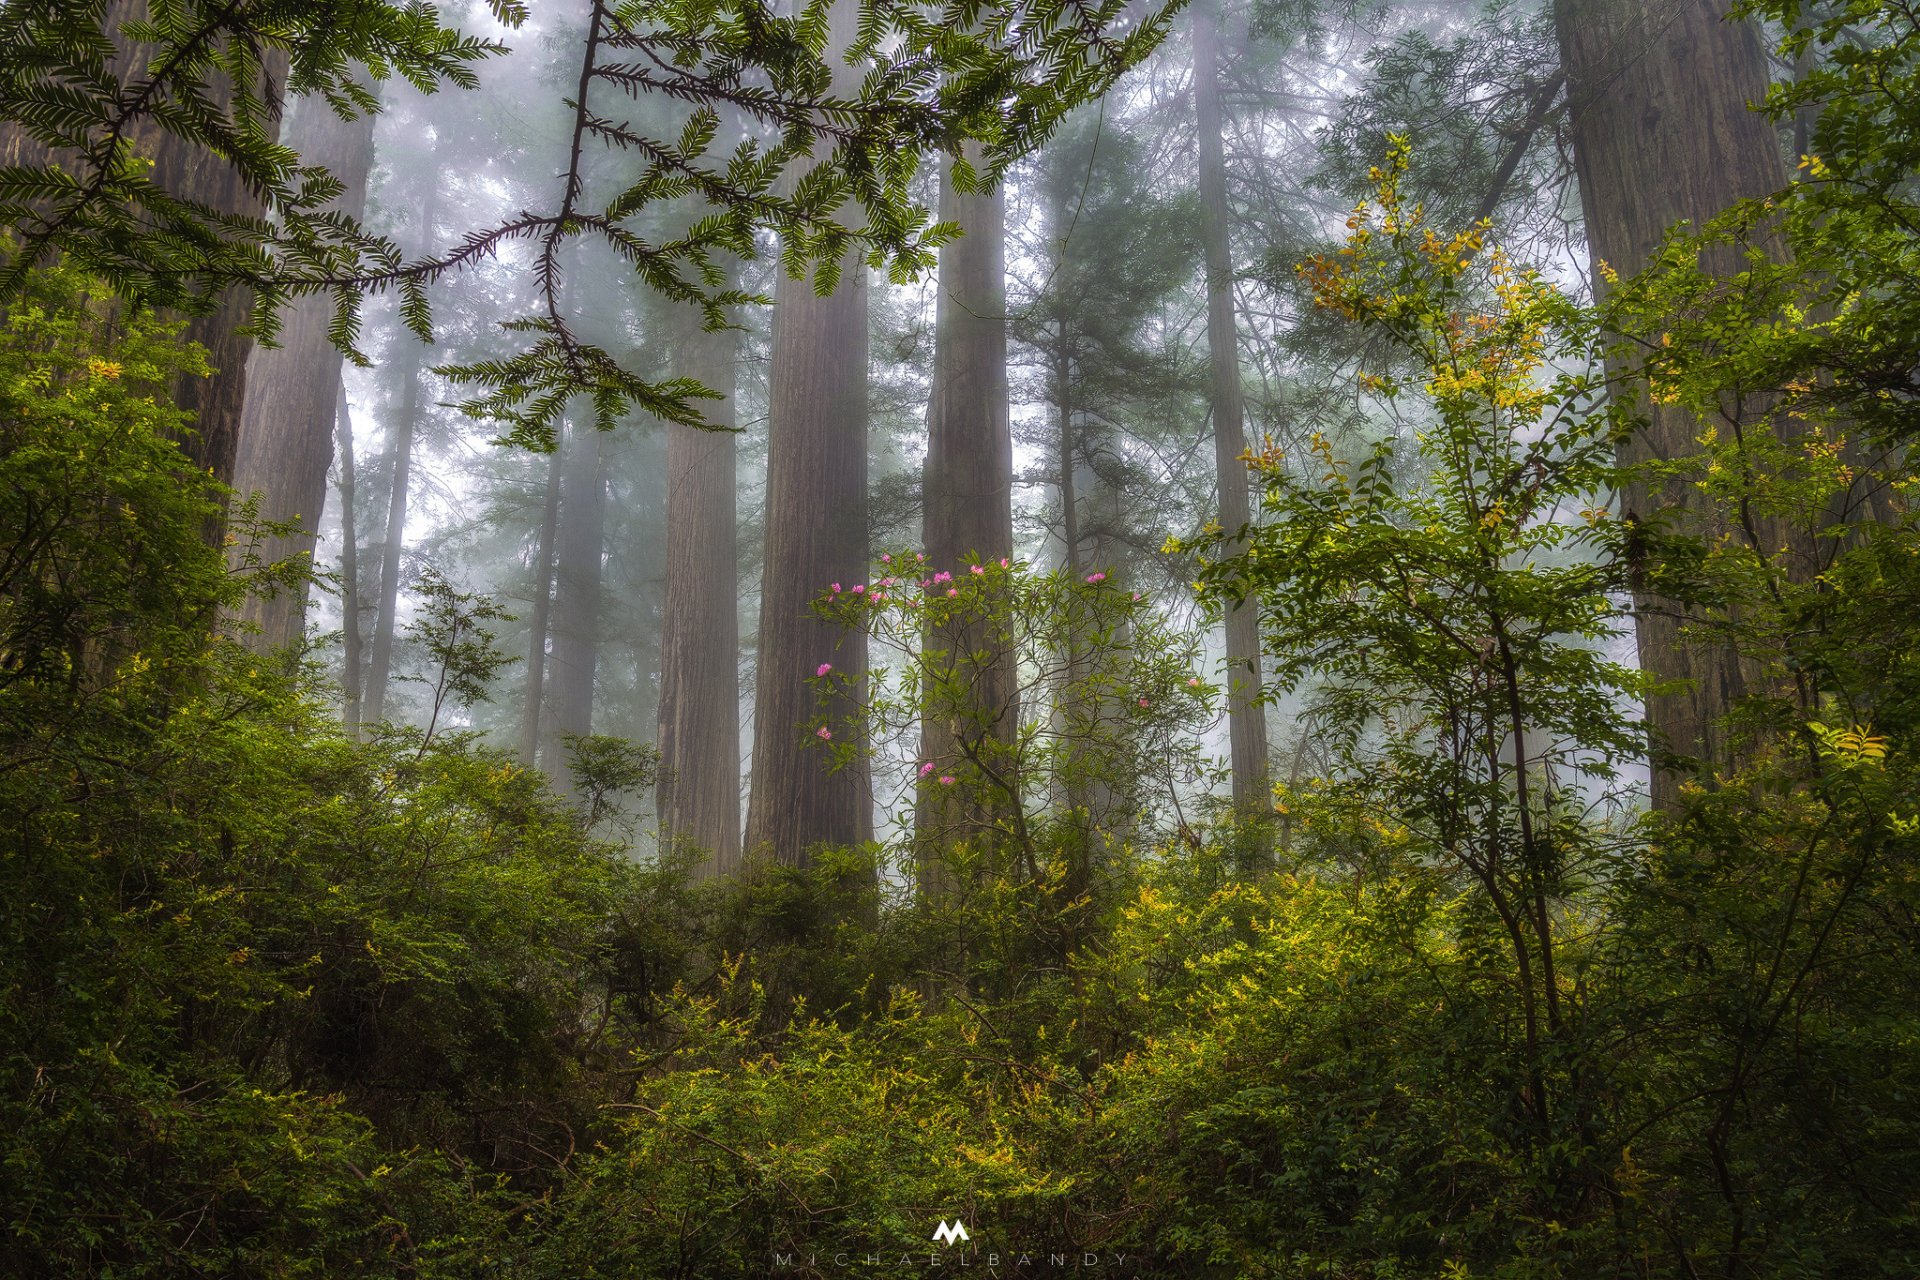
<point>652,638</point>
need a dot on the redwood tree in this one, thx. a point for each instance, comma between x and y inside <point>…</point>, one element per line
<point>286,427</point>
<point>968,484</point>
<point>698,794</point>
<point>580,548</point>
<point>1246,715</point>
<point>816,535</point>
<point>1663,131</point>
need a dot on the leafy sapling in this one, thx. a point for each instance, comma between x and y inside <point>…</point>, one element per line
<point>462,656</point>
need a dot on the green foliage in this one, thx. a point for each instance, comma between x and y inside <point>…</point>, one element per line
<point>271,1001</point>
<point>277,1002</point>
<point>834,130</point>
<point>1103,700</point>
<point>462,658</point>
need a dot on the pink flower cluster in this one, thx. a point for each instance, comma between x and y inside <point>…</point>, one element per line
<point>1096,577</point>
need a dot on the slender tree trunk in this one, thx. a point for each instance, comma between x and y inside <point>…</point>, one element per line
<point>1662,131</point>
<point>351,675</point>
<point>580,550</point>
<point>286,428</point>
<point>1246,714</point>
<point>698,794</point>
<point>968,502</point>
<point>1069,458</point>
<point>534,708</point>
<point>410,370</point>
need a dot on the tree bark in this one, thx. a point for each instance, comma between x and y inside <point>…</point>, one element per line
<point>698,794</point>
<point>350,677</point>
<point>580,550</point>
<point>1246,714</point>
<point>286,428</point>
<point>1659,100</point>
<point>816,535</point>
<point>967,490</point>
<point>535,706</point>
<point>410,371</point>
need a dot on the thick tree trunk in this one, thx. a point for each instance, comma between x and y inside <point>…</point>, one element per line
<point>967,492</point>
<point>816,535</point>
<point>286,428</point>
<point>534,708</point>
<point>351,675</point>
<point>698,794</point>
<point>1662,131</point>
<point>1246,714</point>
<point>580,550</point>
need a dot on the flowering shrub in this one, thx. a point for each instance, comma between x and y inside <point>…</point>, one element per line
<point>1010,691</point>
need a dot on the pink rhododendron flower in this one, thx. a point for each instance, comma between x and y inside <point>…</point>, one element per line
<point>943,576</point>
<point>947,779</point>
<point>886,559</point>
<point>1003,562</point>
<point>836,588</point>
<point>926,768</point>
<point>1143,702</point>
<point>823,733</point>
<point>953,591</point>
<point>823,668</point>
<point>978,569</point>
<point>1193,682</point>
<point>920,556</point>
<point>1092,577</point>
<point>858,587</point>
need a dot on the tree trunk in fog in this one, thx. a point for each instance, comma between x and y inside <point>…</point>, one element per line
<point>967,493</point>
<point>194,174</point>
<point>286,427</point>
<point>579,548</point>
<point>350,675</point>
<point>1246,715</point>
<point>535,702</point>
<point>816,535</point>
<point>1662,132</point>
<point>698,794</point>
<point>409,369</point>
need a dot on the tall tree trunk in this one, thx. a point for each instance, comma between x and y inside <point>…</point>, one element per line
<point>410,369</point>
<point>286,427</point>
<point>1069,455</point>
<point>816,535</point>
<point>580,548</point>
<point>351,675</point>
<point>1662,131</point>
<point>535,706</point>
<point>967,492</point>
<point>698,794</point>
<point>1246,715</point>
